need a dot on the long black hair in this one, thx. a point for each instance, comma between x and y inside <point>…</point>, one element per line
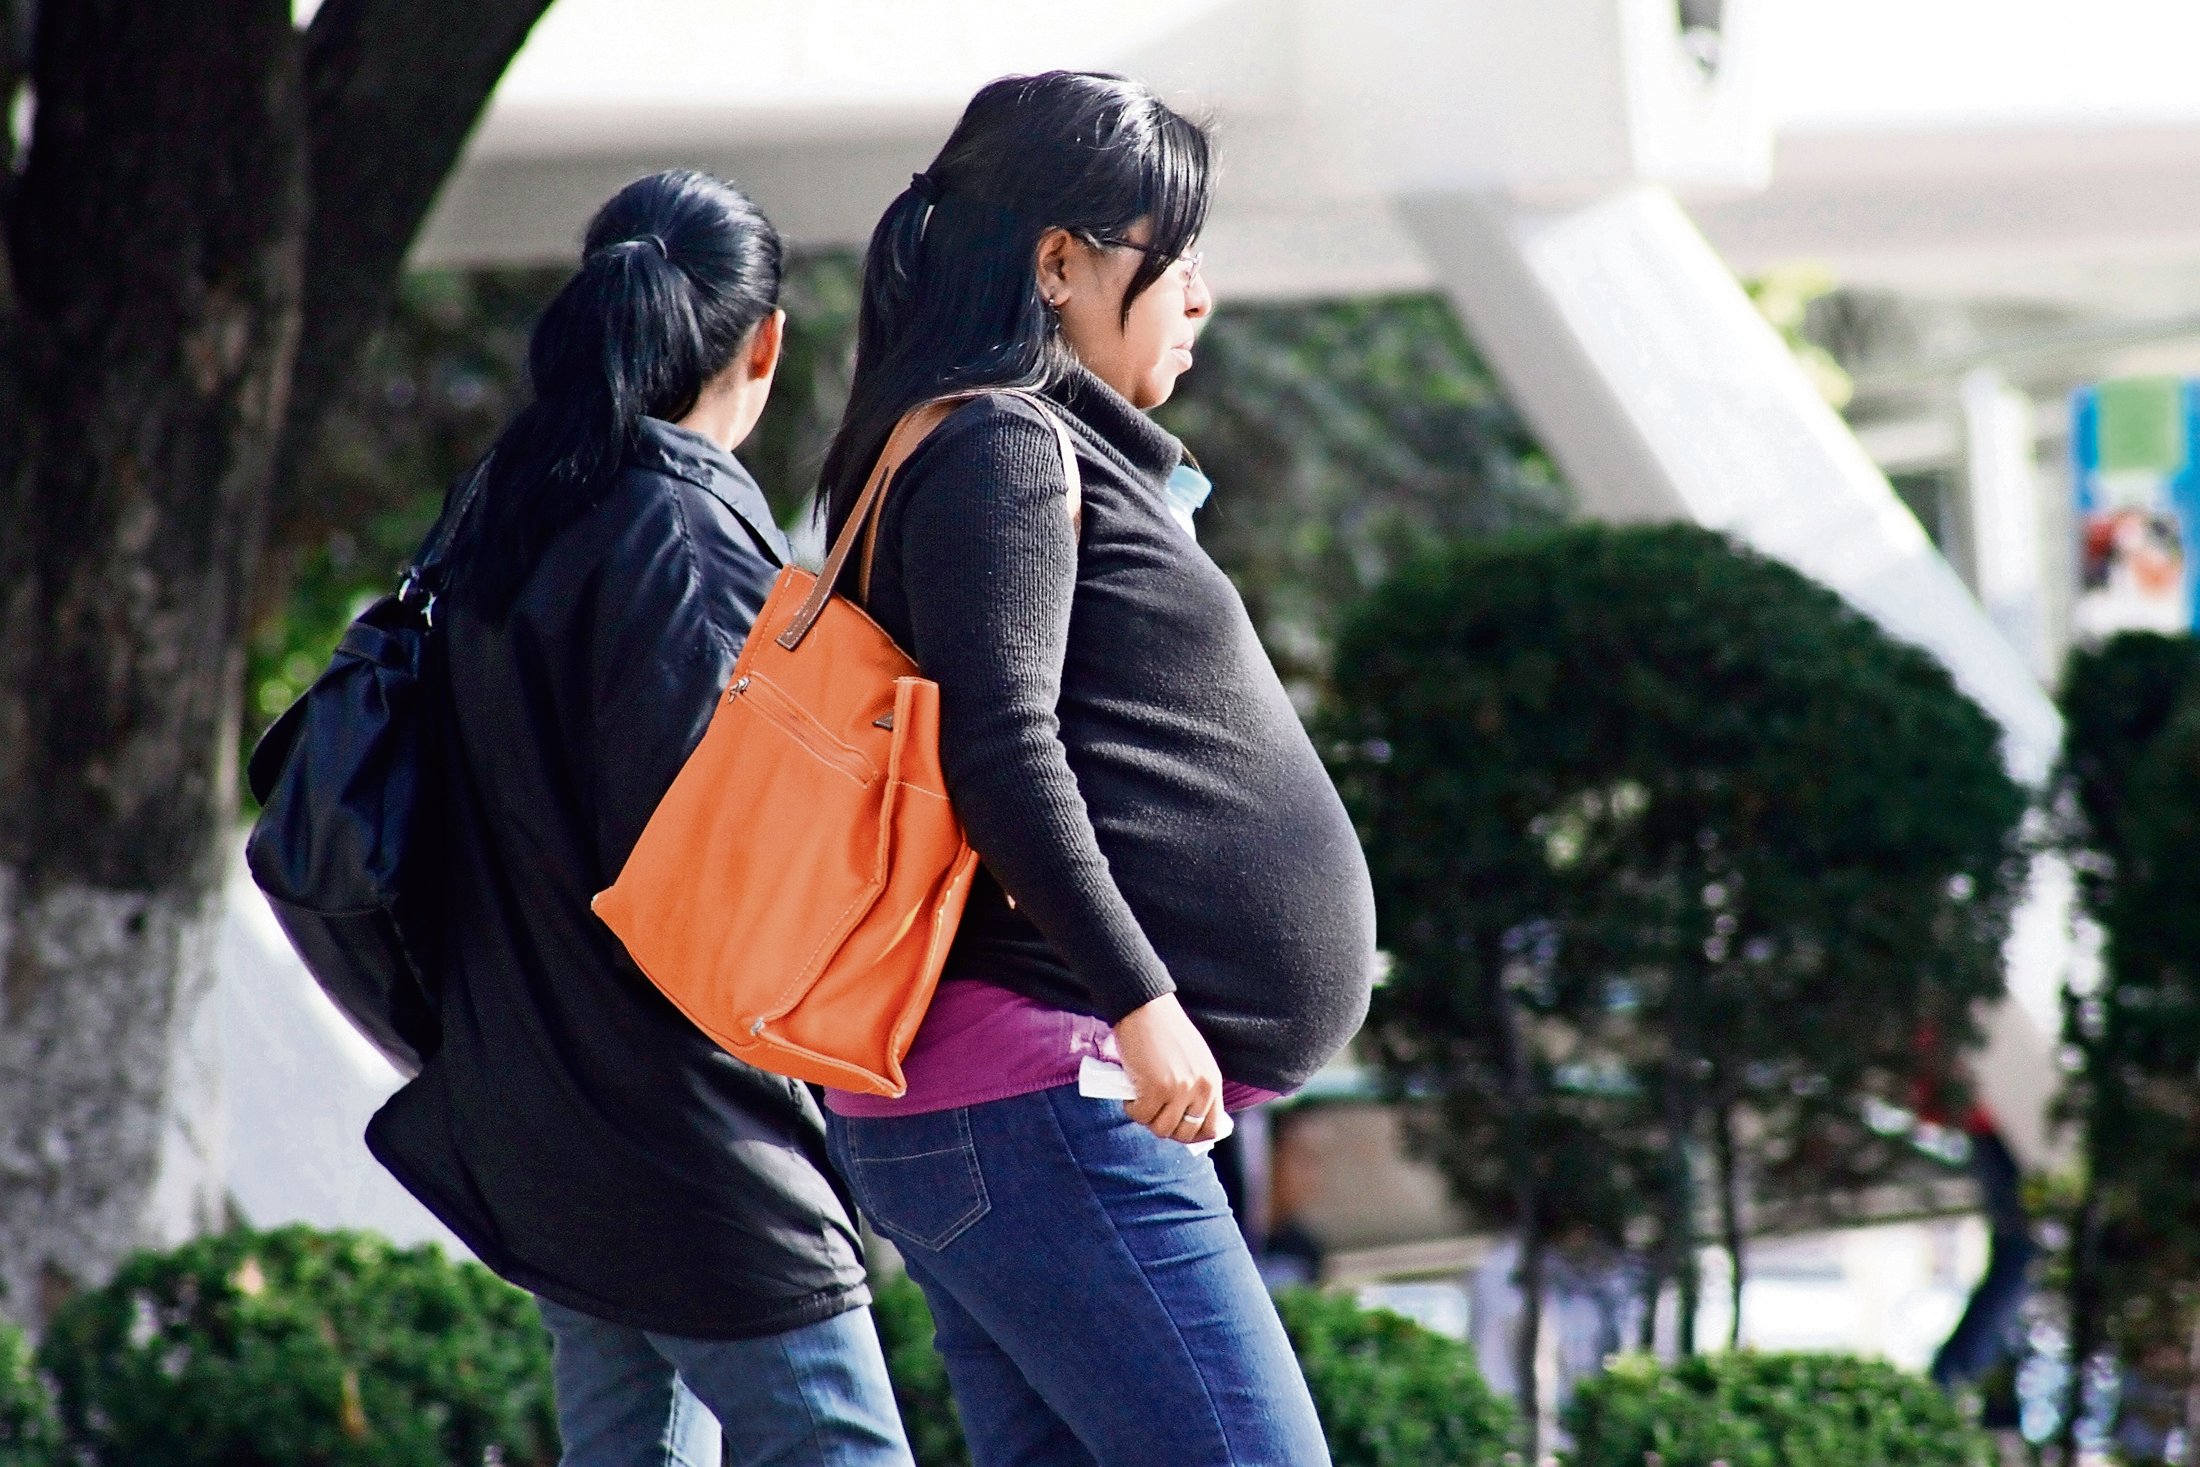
<point>950,283</point>
<point>675,271</point>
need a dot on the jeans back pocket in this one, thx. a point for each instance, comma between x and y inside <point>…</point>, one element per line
<point>917,1176</point>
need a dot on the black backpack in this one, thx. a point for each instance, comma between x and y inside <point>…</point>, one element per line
<point>342,779</point>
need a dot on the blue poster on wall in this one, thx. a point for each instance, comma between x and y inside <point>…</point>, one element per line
<point>2136,445</point>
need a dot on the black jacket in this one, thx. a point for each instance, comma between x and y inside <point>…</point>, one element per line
<point>585,1139</point>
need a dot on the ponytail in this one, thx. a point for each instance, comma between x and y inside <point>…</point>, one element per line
<point>675,272</point>
<point>891,265</point>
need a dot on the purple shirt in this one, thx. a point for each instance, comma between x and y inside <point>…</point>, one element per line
<point>979,1042</point>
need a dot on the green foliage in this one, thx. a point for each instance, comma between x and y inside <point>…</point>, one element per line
<point>1752,1410</point>
<point>1392,1394</point>
<point>1784,296</point>
<point>299,1347</point>
<point>2117,700</point>
<point>920,1377</point>
<point>2126,812</point>
<point>1344,437</point>
<point>822,294</point>
<point>30,1434</point>
<point>1733,866</point>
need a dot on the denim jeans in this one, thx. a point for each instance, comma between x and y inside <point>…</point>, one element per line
<point>817,1396</point>
<point>1095,1300</point>
<point>1986,1334</point>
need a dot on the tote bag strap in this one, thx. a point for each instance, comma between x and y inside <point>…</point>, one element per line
<point>1074,486</point>
<point>915,426</point>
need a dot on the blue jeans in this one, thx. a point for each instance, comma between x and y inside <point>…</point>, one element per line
<point>1095,1300</point>
<point>817,1396</point>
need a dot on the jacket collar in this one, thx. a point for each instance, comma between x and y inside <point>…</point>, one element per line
<point>685,454</point>
<point>1146,448</point>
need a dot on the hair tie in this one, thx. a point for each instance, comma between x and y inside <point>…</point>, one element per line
<point>927,188</point>
<point>630,244</point>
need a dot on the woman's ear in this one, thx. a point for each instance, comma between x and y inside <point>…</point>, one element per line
<point>1053,261</point>
<point>766,339</point>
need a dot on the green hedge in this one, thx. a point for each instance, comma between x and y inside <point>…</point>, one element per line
<point>1392,1394</point>
<point>299,1347</point>
<point>1752,1410</point>
<point>920,1376</point>
<point>29,1435</point>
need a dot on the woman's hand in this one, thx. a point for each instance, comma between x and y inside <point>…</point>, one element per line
<point>1178,1082</point>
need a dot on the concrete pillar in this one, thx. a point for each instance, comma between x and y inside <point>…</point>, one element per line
<point>2002,473</point>
<point>1662,394</point>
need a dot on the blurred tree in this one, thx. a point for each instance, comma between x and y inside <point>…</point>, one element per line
<point>2126,810</point>
<point>1686,869</point>
<point>822,295</point>
<point>205,209</point>
<point>1343,437</point>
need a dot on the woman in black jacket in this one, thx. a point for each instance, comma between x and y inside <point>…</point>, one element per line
<point>670,1206</point>
<point>1173,900</point>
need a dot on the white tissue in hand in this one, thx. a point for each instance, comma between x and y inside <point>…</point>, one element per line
<point>1099,1080</point>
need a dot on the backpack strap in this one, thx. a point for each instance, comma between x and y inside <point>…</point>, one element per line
<point>424,578</point>
<point>915,426</point>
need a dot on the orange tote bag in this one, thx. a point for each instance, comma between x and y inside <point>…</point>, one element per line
<point>796,890</point>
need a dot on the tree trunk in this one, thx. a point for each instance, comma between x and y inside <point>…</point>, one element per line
<point>150,313</point>
<point>2085,1323</point>
<point>1520,1098</point>
<point>1681,1247</point>
<point>1730,1211</point>
<point>1653,1286</point>
<point>156,236</point>
<point>1680,1102</point>
<point>1527,1344</point>
<point>385,128</point>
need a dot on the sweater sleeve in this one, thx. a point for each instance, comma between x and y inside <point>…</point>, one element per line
<point>989,564</point>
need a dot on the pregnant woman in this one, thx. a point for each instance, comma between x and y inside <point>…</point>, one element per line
<point>1170,882</point>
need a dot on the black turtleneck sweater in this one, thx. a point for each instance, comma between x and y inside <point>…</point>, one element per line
<point>1149,811</point>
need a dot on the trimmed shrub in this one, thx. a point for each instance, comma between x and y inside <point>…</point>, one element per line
<point>1752,1410</point>
<point>29,1434</point>
<point>1640,797</point>
<point>298,1347</point>
<point>1392,1394</point>
<point>920,1376</point>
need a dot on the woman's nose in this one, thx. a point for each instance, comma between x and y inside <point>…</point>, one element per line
<point>1198,299</point>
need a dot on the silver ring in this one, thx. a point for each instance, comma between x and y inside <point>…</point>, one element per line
<point>1192,1120</point>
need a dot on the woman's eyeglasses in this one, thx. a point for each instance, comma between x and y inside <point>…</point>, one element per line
<point>1190,259</point>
